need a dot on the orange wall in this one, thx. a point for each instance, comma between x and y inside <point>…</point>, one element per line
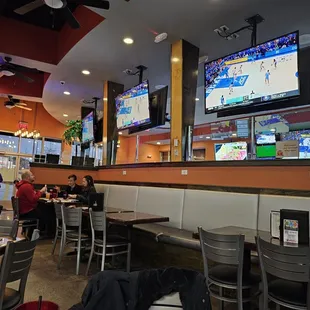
<point>281,177</point>
<point>44,122</point>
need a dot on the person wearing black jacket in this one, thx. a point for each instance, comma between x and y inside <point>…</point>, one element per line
<point>88,188</point>
<point>117,290</point>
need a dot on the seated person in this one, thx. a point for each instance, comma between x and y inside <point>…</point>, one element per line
<point>28,197</point>
<point>72,188</point>
<point>87,189</point>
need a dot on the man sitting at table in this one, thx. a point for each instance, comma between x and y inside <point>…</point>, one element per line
<point>28,197</point>
<point>72,188</point>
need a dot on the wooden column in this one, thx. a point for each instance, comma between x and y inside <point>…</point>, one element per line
<point>184,74</point>
<point>110,91</point>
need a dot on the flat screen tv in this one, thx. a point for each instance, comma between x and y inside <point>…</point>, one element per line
<point>268,138</point>
<point>132,107</point>
<point>88,128</point>
<point>231,151</point>
<point>254,76</point>
<point>158,107</point>
<point>266,151</point>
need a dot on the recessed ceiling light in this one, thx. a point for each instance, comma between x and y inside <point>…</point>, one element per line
<point>65,115</point>
<point>128,40</point>
<point>86,72</point>
<point>120,133</point>
<point>158,143</point>
<point>196,99</point>
<point>67,93</point>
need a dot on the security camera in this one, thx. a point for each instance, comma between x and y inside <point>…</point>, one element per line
<point>128,71</point>
<point>62,82</point>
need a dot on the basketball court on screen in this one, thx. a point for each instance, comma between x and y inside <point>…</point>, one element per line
<point>253,78</point>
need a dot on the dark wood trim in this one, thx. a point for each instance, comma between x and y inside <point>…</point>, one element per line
<point>52,166</point>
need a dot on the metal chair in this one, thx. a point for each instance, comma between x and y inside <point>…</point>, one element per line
<point>285,275</point>
<point>227,251</point>
<point>15,266</point>
<point>26,223</point>
<point>72,217</point>
<point>103,242</point>
<point>9,228</point>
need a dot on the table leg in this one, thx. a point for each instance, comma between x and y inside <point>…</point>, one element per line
<point>129,230</point>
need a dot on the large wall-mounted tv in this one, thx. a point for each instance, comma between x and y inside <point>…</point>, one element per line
<point>231,151</point>
<point>254,76</point>
<point>88,128</point>
<point>132,107</point>
<point>158,107</point>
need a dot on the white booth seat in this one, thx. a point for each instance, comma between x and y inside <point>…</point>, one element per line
<point>268,203</point>
<point>123,196</point>
<point>211,209</point>
<point>103,188</point>
<point>162,201</point>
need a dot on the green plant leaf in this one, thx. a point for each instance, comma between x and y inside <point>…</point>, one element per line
<point>73,133</point>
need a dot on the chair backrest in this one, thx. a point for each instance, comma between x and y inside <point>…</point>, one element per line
<point>57,207</point>
<point>15,206</point>
<point>71,216</point>
<point>289,263</point>
<point>97,220</point>
<point>223,249</point>
<point>96,201</point>
<point>9,228</point>
<point>16,265</point>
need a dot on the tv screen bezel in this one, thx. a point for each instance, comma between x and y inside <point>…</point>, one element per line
<point>133,126</point>
<point>236,107</point>
<point>93,138</point>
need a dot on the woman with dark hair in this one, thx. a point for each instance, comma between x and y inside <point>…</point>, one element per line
<point>88,188</point>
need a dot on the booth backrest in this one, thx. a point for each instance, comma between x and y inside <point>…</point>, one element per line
<point>211,209</point>
<point>162,201</point>
<point>103,188</point>
<point>122,196</point>
<point>268,203</point>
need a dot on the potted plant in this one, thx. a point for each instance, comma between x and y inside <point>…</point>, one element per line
<point>73,133</point>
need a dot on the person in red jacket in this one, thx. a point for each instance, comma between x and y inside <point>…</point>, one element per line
<point>28,197</point>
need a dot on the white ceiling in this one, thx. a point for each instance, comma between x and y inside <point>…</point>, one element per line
<point>104,54</point>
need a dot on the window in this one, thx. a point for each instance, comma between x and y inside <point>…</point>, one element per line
<point>52,146</point>
<point>37,147</point>
<point>165,156</point>
<point>75,150</point>
<point>8,143</point>
<point>26,146</point>
<point>199,154</point>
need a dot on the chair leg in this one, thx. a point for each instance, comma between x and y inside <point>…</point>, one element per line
<point>222,304</point>
<point>78,257</point>
<point>61,250</point>
<point>128,257</point>
<point>113,258</point>
<point>90,258</point>
<point>278,307</point>
<point>103,258</point>
<point>55,241</point>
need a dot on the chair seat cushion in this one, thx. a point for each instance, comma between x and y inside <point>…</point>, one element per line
<point>290,292</point>
<point>11,299</point>
<point>112,240</point>
<point>228,275</point>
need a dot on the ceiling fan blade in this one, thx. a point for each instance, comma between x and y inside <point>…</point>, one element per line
<point>100,4</point>
<point>22,104</point>
<point>24,108</point>
<point>19,68</point>
<point>1,74</point>
<point>2,61</point>
<point>24,77</point>
<point>29,7</point>
<point>70,18</point>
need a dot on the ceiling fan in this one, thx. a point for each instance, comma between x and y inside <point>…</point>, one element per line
<point>61,5</point>
<point>7,68</point>
<point>15,103</point>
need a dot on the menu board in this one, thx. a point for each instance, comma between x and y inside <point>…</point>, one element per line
<point>287,149</point>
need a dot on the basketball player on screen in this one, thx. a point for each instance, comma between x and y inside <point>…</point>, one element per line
<point>262,67</point>
<point>231,90</point>
<point>267,77</point>
<point>275,64</point>
<point>240,70</point>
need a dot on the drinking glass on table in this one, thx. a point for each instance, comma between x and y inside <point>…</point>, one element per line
<point>48,195</point>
